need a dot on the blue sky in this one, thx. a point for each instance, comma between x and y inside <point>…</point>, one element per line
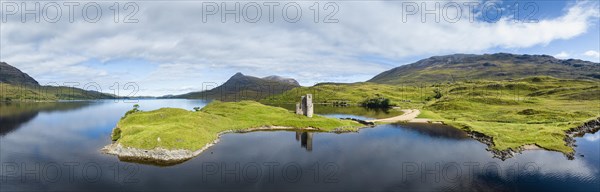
<point>170,50</point>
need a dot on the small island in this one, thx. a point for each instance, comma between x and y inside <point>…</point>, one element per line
<point>170,135</point>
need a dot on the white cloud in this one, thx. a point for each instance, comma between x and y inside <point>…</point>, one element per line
<point>562,55</point>
<point>592,53</point>
<point>172,33</point>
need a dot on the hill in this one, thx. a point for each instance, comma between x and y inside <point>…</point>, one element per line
<point>243,87</point>
<point>12,75</point>
<point>499,66</point>
<point>18,86</point>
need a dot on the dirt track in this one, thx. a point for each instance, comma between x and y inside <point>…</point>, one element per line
<point>409,115</point>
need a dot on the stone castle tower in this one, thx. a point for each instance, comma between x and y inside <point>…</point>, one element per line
<point>305,107</point>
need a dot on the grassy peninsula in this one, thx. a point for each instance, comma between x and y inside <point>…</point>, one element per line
<point>528,111</point>
<point>174,129</point>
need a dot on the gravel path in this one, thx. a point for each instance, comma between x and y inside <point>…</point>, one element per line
<point>409,115</point>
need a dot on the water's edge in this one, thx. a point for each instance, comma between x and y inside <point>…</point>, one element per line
<point>591,126</point>
<point>166,157</point>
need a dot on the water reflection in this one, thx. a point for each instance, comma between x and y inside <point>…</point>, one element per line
<point>435,130</point>
<point>13,115</point>
<point>394,157</point>
<point>305,139</point>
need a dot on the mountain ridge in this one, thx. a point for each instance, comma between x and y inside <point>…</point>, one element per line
<point>244,87</point>
<point>497,66</point>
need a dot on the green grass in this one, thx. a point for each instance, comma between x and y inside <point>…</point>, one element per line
<point>354,94</point>
<point>182,129</point>
<point>534,110</point>
<point>354,110</point>
<point>426,114</point>
<point>10,92</point>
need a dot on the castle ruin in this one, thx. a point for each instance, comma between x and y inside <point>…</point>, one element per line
<point>305,107</point>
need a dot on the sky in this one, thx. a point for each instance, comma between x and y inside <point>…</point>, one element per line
<point>175,47</point>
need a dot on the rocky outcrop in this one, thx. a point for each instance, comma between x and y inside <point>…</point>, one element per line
<point>158,156</point>
<point>489,141</point>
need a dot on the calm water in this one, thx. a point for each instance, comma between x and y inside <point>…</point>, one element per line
<point>55,146</point>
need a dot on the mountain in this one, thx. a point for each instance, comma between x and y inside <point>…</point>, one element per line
<point>499,66</point>
<point>18,86</point>
<point>282,80</point>
<point>243,87</point>
<point>12,75</point>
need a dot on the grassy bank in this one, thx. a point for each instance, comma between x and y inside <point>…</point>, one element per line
<point>191,130</point>
<point>535,110</point>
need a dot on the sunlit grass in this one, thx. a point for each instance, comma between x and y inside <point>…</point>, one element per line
<point>182,129</point>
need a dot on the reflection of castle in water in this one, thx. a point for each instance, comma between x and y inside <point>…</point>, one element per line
<point>305,139</point>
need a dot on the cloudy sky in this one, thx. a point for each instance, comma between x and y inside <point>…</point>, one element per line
<point>173,47</point>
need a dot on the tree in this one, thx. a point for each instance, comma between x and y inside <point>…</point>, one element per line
<point>378,102</point>
<point>135,109</point>
<point>438,93</point>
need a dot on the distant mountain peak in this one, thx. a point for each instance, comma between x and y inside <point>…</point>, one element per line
<point>240,87</point>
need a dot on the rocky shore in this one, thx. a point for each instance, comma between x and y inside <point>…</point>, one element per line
<point>589,127</point>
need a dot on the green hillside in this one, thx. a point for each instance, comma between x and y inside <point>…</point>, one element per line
<point>16,85</point>
<point>10,92</point>
<point>499,66</point>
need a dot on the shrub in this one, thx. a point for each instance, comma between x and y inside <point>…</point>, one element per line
<point>116,134</point>
<point>378,102</point>
<point>528,112</point>
<point>438,94</point>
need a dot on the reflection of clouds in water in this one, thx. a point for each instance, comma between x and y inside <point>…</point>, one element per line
<point>375,159</point>
<point>592,137</point>
<point>555,165</point>
<point>87,128</point>
<point>426,152</point>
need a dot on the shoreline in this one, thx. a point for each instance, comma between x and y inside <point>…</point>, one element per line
<point>166,157</point>
<point>591,126</point>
